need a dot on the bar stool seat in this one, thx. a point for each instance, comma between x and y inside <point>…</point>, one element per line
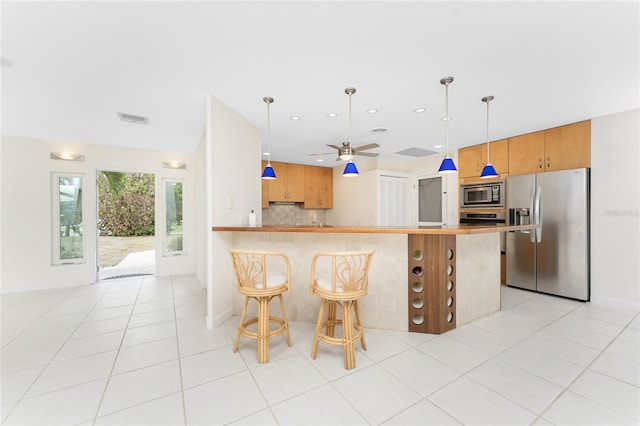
<point>254,282</point>
<point>340,279</point>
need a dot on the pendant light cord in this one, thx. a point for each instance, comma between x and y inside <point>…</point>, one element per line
<point>446,116</point>
<point>268,101</point>
<point>488,132</point>
<point>350,123</point>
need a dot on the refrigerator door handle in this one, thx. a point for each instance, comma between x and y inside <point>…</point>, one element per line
<point>532,233</point>
<point>537,217</point>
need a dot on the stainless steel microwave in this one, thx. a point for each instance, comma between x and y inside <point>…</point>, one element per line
<point>490,194</point>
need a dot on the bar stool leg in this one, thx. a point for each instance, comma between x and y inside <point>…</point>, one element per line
<point>316,336</point>
<point>263,329</point>
<point>331,318</point>
<point>242,317</point>
<point>359,323</point>
<point>284,318</point>
<point>347,329</point>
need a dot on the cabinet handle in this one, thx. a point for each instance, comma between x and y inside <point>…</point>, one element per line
<point>548,161</point>
<point>539,163</point>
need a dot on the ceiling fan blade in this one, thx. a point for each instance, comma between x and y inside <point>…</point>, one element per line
<point>367,146</point>
<point>334,146</point>
<point>322,153</point>
<point>366,154</point>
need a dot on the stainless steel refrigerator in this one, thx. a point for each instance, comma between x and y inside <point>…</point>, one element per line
<point>554,258</point>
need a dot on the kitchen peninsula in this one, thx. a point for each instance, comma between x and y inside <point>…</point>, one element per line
<point>426,279</point>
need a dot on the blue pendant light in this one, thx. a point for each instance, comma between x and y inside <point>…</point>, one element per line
<point>447,166</point>
<point>350,169</point>
<point>268,172</point>
<point>488,171</point>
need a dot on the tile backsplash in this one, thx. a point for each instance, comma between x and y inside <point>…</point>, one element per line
<point>292,214</point>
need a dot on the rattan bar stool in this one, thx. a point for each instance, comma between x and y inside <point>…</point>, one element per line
<point>340,279</point>
<point>254,282</point>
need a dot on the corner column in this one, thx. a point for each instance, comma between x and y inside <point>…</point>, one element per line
<point>432,283</point>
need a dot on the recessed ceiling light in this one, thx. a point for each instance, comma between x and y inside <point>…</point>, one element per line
<point>266,153</point>
<point>437,146</point>
<point>294,117</point>
<point>420,109</point>
<point>332,114</point>
<point>372,111</point>
<point>379,129</point>
<point>319,160</point>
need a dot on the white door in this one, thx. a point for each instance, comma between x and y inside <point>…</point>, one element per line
<point>393,206</point>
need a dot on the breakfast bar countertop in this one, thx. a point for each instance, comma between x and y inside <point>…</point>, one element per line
<point>422,230</point>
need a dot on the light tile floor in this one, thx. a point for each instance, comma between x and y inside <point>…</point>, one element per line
<point>136,351</point>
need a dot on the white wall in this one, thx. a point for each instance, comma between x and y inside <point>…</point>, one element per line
<point>234,188</point>
<point>615,220</point>
<point>26,215</point>
<point>354,198</point>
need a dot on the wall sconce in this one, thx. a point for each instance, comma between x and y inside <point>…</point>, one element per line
<point>66,156</point>
<point>173,165</point>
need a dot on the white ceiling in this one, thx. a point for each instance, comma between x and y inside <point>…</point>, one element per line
<point>69,67</point>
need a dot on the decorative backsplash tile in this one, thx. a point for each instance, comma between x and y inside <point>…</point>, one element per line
<point>292,214</point>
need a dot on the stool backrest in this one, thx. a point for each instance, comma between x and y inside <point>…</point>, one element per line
<point>250,268</point>
<point>348,272</point>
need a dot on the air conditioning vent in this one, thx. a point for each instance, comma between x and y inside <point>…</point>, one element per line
<point>130,118</point>
<point>416,152</point>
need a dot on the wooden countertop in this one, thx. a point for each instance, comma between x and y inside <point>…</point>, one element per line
<point>423,230</point>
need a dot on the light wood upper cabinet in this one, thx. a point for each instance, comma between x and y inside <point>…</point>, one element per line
<point>568,147</point>
<point>526,154</point>
<point>288,184</point>
<point>469,161</point>
<point>318,191</point>
<point>472,159</point>
<point>560,148</point>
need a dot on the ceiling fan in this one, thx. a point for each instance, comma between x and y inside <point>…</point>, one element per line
<point>346,152</point>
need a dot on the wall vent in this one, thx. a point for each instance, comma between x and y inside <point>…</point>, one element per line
<point>130,118</point>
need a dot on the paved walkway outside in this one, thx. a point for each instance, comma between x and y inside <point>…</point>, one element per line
<point>138,263</point>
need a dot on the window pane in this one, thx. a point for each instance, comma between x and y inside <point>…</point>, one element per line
<point>70,217</point>
<point>173,217</point>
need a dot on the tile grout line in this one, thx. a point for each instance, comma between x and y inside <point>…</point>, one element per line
<point>175,317</point>
<point>115,360</point>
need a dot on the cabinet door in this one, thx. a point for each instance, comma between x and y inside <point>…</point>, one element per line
<point>278,187</point>
<point>470,161</point>
<point>568,147</point>
<point>526,153</point>
<point>499,155</point>
<point>318,191</point>
<point>295,182</point>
